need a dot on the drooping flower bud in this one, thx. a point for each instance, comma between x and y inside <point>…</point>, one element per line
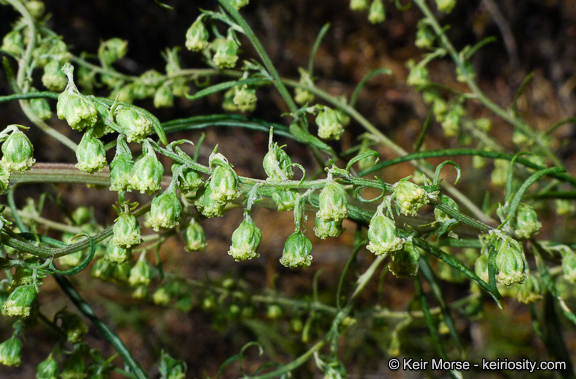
<point>102,269</point>
<point>111,50</point>
<point>245,98</point>
<point>445,6</point>
<point>126,231</point>
<point>188,180</point>
<point>333,203</point>
<point>358,5</point>
<point>377,13</point>
<point>301,94</point>
<point>425,36</point>
<point>329,125</point>
<point>418,75</point>
<point>147,171</point>
<point>117,254</point>
<point>48,369</point>
<point>17,150</point>
<point>21,301</point>
<point>223,183</point>
<point>509,258</point>
<point>568,263</point>
<point>121,273</point>
<point>36,8</point>
<point>245,241</point>
<point>163,97</point>
<point>76,109</point>
<point>72,325</point>
<point>197,36</point>
<point>409,197</point>
<point>326,229</point>
<point>134,123</point>
<point>11,352</point>
<point>530,290</point>
<point>165,211</point>
<point>206,203</point>
<point>382,234</point>
<point>121,167</point>
<point>500,173</point>
<point>404,262</point>
<point>285,200</point>
<point>74,366</point>
<point>53,78</point>
<point>226,52</point>
<point>41,108</point>
<point>13,44</point>
<point>90,154</point>
<point>297,251</point>
<point>526,221</point>
<point>277,163</point>
<point>452,120</point>
<point>565,207</point>
<point>140,274</point>
<point>194,236</point>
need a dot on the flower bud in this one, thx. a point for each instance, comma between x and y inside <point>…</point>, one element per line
<point>418,75</point>
<point>4,178</point>
<point>13,44</point>
<point>163,97</point>
<point>41,108</point>
<point>48,369</point>
<point>121,273</point>
<point>358,5</point>
<point>226,53</point>
<point>90,154</point>
<point>382,234</point>
<point>11,352</point>
<point>161,296</point>
<point>140,293</point>
<point>277,163</point>
<point>223,181</point>
<point>509,258</point>
<point>239,3</point>
<point>147,171</point>
<point>36,8</point>
<point>73,326</point>
<point>126,231</point>
<point>18,151</point>
<point>135,124</point>
<point>112,50</point>
<point>569,264</point>
<point>326,229</point>
<point>376,13</point>
<point>526,221</point>
<point>409,197</point>
<point>274,312</point>
<point>140,274</point>
<point>565,207</point>
<point>245,241</point>
<point>500,173</point>
<point>102,269</point>
<point>445,6</point>
<point>164,211</point>
<point>425,36</point>
<point>452,120</point>
<point>329,125</point>
<point>530,290</point>
<point>194,236</point>
<point>245,98</point>
<point>21,301</point>
<point>188,180</point>
<point>78,110</point>
<point>124,93</point>
<point>53,78</point>
<point>333,202</point>
<point>228,102</point>
<point>197,36</point>
<point>74,366</point>
<point>285,200</point>
<point>404,262</point>
<point>297,251</point>
<point>121,172</point>
<point>206,203</point>
<point>116,254</point>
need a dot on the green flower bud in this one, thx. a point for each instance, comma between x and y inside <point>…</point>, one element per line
<point>161,296</point>
<point>500,173</point>
<point>135,124</point>
<point>277,163</point>
<point>329,125</point>
<point>530,290</point>
<point>53,78</point>
<point>223,181</point>
<point>112,50</point>
<point>404,262</point>
<point>194,236</point>
<point>226,53</point>
<point>147,171</point>
<point>568,263</point>
<point>163,97</point>
<point>326,229</point>
<point>468,72</point>
<point>409,197</point>
<point>452,120</point>
<point>358,5</point>
<point>245,98</point>
<point>509,258</point>
<point>333,203</point>
<point>526,221</point>
<point>53,49</point>
<point>74,367</point>
<point>274,312</point>
<point>382,234</point>
<point>117,254</point>
<point>297,251</point>
<point>245,241</point>
<point>11,352</point>
<point>21,301</point>
<point>206,203</point>
<point>445,6</point>
<point>418,75</point>
<point>140,274</point>
<point>121,171</point>
<point>228,102</point>
<point>188,180</point>
<point>48,369</point>
<point>77,110</point>
<point>303,96</point>
<point>439,215</point>
<point>123,93</point>
<point>13,44</point>
<point>197,36</point>
<point>41,108</point>
<point>102,269</point>
<point>565,207</point>
<point>377,13</point>
<point>121,273</point>
<point>165,211</point>
<point>425,36</point>
<point>90,154</point>
<point>4,178</point>
<point>239,3</point>
<point>285,200</point>
<point>72,325</point>
<point>18,151</point>
<point>126,231</point>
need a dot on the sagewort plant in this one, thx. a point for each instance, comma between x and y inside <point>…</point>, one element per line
<point>420,228</point>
